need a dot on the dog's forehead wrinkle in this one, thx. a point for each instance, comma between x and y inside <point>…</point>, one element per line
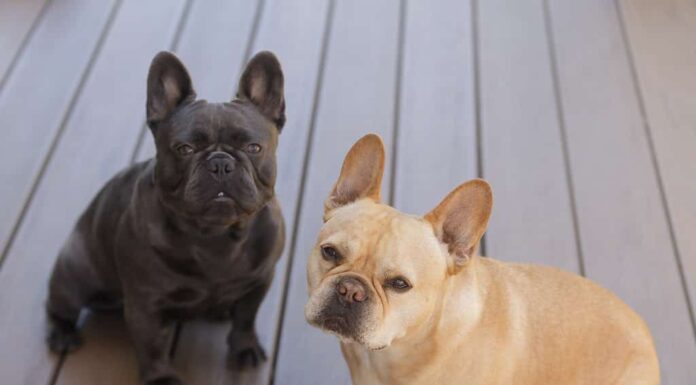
<point>222,123</point>
<point>405,242</point>
<point>371,231</point>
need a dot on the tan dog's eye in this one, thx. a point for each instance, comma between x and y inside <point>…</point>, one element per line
<point>399,284</point>
<point>184,150</point>
<point>330,253</point>
<point>253,148</point>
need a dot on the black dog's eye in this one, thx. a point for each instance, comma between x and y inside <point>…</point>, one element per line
<point>184,150</point>
<point>253,148</point>
<point>399,284</point>
<point>330,254</point>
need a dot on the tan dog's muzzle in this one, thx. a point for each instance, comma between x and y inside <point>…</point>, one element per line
<point>344,307</point>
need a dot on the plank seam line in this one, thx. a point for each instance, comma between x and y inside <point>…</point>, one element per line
<point>57,136</point>
<point>23,45</point>
<point>655,163</point>
<point>54,145</point>
<point>328,24</point>
<point>478,129</point>
<point>253,32</point>
<point>398,79</point>
<point>172,46</point>
<point>565,149</point>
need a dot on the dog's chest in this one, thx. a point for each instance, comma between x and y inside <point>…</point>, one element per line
<point>207,282</point>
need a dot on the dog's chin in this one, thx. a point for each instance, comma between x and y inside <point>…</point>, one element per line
<point>216,211</point>
<point>335,325</point>
<point>339,327</point>
<point>221,210</point>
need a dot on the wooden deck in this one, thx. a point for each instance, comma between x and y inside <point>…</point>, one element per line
<point>581,114</point>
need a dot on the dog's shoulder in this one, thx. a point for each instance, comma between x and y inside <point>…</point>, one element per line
<point>112,201</point>
<point>545,285</point>
<point>267,237</point>
<point>548,291</point>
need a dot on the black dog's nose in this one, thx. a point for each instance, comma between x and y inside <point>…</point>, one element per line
<point>351,290</point>
<point>220,163</point>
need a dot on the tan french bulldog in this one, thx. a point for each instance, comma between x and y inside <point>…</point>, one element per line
<point>412,303</point>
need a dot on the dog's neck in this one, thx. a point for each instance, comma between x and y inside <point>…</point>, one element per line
<point>194,227</point>
<point>458,313</point>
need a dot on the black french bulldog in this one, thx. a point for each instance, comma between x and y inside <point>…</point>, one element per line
<point>195,231</point>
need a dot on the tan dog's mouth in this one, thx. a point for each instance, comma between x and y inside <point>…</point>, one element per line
<point>334,324</point>
<point>338,326</point>
<point>345,329</point>
<point>342,323</point>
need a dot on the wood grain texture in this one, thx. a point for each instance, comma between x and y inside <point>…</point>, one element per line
<point>561,87</point>
<point>436,149</point>
<point>357,97</point>
<point>31,108</point>
<point>35,98</point>
<point>294,32</point>
<point>99,133</point>
<point>661,37</point>
<point>622,221</point>
<point>522,150</point>
<point>16,20</point>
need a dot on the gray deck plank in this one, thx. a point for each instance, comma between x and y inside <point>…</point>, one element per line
<point>622,221</point>
<point>623,224</point>
<point>16,20</point>
<point>661,36</point>
<point>98,139</point>
<point>36,96</point>
<point>437,127</point>
<point>522,152</point>
<point>294,31</point>
<point>31,108</point>
<point>357,97</point>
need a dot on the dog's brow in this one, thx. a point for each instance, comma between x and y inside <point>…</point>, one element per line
<point>199,137</point>
<point>240,135</point>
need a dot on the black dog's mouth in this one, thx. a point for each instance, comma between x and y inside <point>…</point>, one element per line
<point>222,197</point>
<point>224,202</point>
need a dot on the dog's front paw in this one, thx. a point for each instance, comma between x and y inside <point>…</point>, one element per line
<point>244,351</point>
<point>63,339</point>
<point>168,380</point>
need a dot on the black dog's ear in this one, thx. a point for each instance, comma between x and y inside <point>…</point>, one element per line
<point>168,86</point>
<point>262,84</point>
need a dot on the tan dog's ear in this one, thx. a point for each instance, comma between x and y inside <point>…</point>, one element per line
<point>461,219</point>
<point>361,174</point>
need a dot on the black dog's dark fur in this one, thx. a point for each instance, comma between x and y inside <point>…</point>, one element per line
<point>194,232</point>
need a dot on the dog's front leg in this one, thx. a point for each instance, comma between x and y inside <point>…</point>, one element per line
<point>245,351</point>
<point>152,337</point>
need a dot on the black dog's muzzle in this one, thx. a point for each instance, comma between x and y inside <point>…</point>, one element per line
<point>220,164</point>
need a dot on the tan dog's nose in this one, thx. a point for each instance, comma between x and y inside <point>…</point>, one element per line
<point>350,290</point>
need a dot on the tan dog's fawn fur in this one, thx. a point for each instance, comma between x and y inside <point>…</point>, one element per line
<point>413,304</point>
